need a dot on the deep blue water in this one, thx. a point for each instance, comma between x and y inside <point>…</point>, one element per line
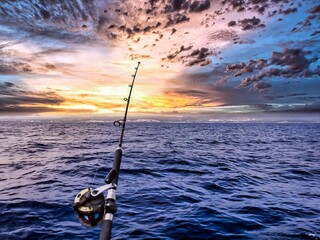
<point>178,180</point>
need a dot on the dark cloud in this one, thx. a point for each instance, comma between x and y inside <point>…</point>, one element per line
<point>232,23</point>
<point>14,99</point>
<point>238,5</point>
<point>295,62</point>
<point>185,5</point>
<point>288,11</point>
<point>315,33</point>
<point>183,48</point>
<point>49,66</point>
<point>8,84</point>
<point>251,23</point>
<point>174,54</point>
<point>260,9</point>
<point>248,81</point>
<point>199,6</point>
<point>269,97</point>
<point>199,57</point>
<point>289,63</point>
<point>192,93</point>
<point>259,6</point>
<point>315,10</point>
<point>179,4</point>
<point>241,68</point>
<point>311,22</point>
<point>303,108</point>
<point>261,86</point>
<point>176,19</point>
<point>236,66</point>
<point>14,67</point>
<point>176,5</point>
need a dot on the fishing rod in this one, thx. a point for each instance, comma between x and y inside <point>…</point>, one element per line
<point>90,205</point>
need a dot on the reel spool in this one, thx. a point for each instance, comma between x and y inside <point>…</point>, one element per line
<point>88,208</point>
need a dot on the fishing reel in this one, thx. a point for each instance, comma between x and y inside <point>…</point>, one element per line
<point>90,205</point>
<point>89,209</point>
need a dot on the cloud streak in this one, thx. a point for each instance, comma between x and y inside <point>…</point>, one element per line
<point>15,99</point>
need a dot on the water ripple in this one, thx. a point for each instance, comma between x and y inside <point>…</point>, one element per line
<point>177,181</point>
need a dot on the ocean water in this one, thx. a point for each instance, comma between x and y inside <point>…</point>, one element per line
<point>177,181</point>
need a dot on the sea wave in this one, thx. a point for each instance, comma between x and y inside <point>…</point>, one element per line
<point>177,181</point>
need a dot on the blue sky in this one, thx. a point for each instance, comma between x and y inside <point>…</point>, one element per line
<point>75,58</point>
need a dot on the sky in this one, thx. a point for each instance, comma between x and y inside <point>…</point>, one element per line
<point>198,58</point>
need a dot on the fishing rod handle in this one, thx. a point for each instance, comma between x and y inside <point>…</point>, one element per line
<point>106,227</point>
<point>116,164</point>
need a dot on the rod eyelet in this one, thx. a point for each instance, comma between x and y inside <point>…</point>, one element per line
<point>117,123</point>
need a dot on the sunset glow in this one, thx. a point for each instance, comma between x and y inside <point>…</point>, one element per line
<point>77,57</point>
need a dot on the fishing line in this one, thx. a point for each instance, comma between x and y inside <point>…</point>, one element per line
<point>94,177</point>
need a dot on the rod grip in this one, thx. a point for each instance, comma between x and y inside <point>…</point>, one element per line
<point>106,227</point>
<point>117,163</point>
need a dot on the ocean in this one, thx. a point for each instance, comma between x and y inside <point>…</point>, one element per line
<point>177,180</point>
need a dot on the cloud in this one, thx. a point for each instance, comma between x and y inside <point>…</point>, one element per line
<point>236,5</point>
<point>126,23</point>
<point>176,19</point>
<point>174,54</point>
<point>191,6</point>
<point>176,5</point>
<point>310,22</point>
<point>139,56</point>
<point>288,64</point>
<point>224,35</point>
<point>209,88</point>
<point>289,108</point>
<point>240,68</point>
<point>46,19</point>
<point>261,86</point>
<point>249,23</point>
<point>315,9</point>
<point>15,99</point>
<point>199,57</point>
<point>294,59</point>
<point>288,11</point>
<point>14,62</point>
<point>232,23</point>
<point>199,6</point>
<point>13,67</point>
<point>269,97</point>
<point>222,81</point>
<point>259,6</point>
